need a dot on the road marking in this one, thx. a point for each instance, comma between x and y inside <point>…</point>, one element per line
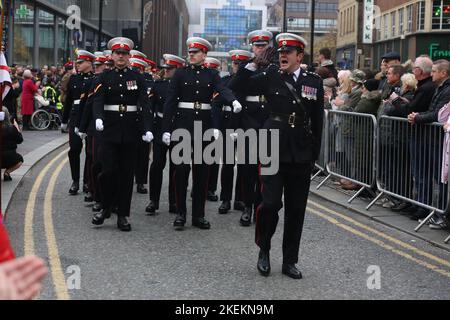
<point>385,236</point>
<point>59,280</point>
<point>29,211</point>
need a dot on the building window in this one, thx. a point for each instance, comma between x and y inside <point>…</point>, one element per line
<point>64,41</point>
<point>409,13</point>
<point>23,33</point>
<point>46,37</point>
<point>393,24</point>
<point>385,26</point>
<point>421,15</point>
<point>400,21</point>
<point>299,23</point>
<point>441,15</point>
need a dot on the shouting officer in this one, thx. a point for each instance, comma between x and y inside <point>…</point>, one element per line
<point>189,99</point>
<point>296,99</point>
<point>158,97</point>
<point>123,115</point>
<point>253,116</point>
<point>78,83</point>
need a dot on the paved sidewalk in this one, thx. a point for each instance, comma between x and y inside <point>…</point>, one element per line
<point>377,213</point>
<point>36,145</point>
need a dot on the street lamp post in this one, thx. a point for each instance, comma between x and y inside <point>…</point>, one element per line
<point>100,25</point>
<point>285,16</point>
<point>313,18</point>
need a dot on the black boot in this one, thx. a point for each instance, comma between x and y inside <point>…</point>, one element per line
<point>141,189</point>
<point>264,263</point>
<point>100,217</point>
<point>88,197</point>
<point>97,207</point>
<point>291,271</point>
<point>225,207</point>
<point>151,208</point>
<point>201,223</point>
<point>123,224</point>
<point>74,188</point>
<point>246,218</point>
<point>180,222</point>
<point>212,196</point>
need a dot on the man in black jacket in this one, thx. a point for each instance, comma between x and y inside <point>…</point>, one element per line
<point>296,104</point>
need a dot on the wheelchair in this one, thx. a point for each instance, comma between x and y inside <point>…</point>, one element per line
<point>46,118</point>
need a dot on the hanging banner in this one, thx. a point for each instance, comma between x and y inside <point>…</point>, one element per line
<point>368,21</point>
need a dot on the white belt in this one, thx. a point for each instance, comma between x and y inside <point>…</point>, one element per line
<point>253,99</point>
<point>121,108</point>
<point>77,102</point>
<point>227,109</point>
<point>160,115</point>
<point>194,106</point>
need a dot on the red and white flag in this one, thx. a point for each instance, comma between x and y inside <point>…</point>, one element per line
<point>5,76</point>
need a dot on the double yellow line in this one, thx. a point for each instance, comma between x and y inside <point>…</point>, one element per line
<point>344,222</point>
<point>52,247</point>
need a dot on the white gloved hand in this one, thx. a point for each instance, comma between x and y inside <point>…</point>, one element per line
<point>216,134</point>
<point>166,138</point>
<point>148,137</point>
<point>64,126</point>
<point>2,116</point>
<point>76,130</point>
<point>234,137</point>
<point>99,125</point>
<point>237,107</point>
<point>82,135</point>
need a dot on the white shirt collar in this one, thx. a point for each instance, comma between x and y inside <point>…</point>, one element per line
<point>297,73</point>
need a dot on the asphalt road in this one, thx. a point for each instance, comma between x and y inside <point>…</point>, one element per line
<point>155,262</point>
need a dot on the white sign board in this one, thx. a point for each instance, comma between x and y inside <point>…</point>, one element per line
<point>368,21</point>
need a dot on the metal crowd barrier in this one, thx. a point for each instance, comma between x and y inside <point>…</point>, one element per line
<point>350,148</point>
<point>321,164</point>
<point>402,160</point>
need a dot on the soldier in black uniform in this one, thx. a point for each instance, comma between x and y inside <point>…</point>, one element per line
<point>78,84</point>
<point>230,121</point>
<point>296,99</point>
<point>87,132</point>
<point>253,116</point>
<point>143,157</point>
<point>123,115</point>
<point>158,97</point>
<point>189,99</point>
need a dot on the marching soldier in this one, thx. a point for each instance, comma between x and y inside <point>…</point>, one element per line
<point>189,99</point>
<point>123,115</point>
<point>253,116</point>
<point>78,84</point>
<point>230,121</point>
<point>296,98</point>
<point>139,61</point>
<point>158,97</point>
<point>87,129</point>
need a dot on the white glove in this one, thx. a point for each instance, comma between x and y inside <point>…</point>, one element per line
<point>237,107</point>
<point>76,130</point>
<point>216,134</point>
<point>148,137</point>
<point>82,135</point>
<point>2,116</point>
<point>99,125</point>
<point>234,137</point>
<point>64,126</point>
<point>166,138</point>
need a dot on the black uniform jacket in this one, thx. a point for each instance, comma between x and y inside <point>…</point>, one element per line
<point>78,83</point>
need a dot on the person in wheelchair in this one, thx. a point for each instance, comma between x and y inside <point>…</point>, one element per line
<point>50,94</point>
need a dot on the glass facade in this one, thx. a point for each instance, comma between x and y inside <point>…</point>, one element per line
<point>441,15</point>
<point>227,27</point>
<point>23,33</point>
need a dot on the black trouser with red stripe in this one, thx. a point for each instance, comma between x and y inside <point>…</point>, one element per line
<point>156,174</point>
<point>294,181</point>
<point>142,162</point>
<point>88,163</point>
<point>251,188</point>
<point>227,179</point>
<point>76,146</point>
<point>96,168</point>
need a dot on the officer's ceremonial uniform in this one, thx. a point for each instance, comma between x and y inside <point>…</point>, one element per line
<point>300,129</point>
<point>189,100</point>
<point>158,97</point>
<point>78,84</point>
<point>123,115</point>
<point>253,116</point>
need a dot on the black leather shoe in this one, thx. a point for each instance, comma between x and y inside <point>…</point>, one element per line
<point>201,223</point>
<point>180,222</point>
<point>88,197</point>
<point>225,207</point>
<point>100,217</point>
<point>246,219</point>
<point>74,189</point>
<point>264,263</point>
<point>141,189</point>
<point>7,177</point>
<point>239,206</point>
<point>123,224</point>
<point>151,208</point>
<point>97,207</point>
<point>173,209</point>
<point>291,271</point>
<point>85,188</point>
<point>212,197</point>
